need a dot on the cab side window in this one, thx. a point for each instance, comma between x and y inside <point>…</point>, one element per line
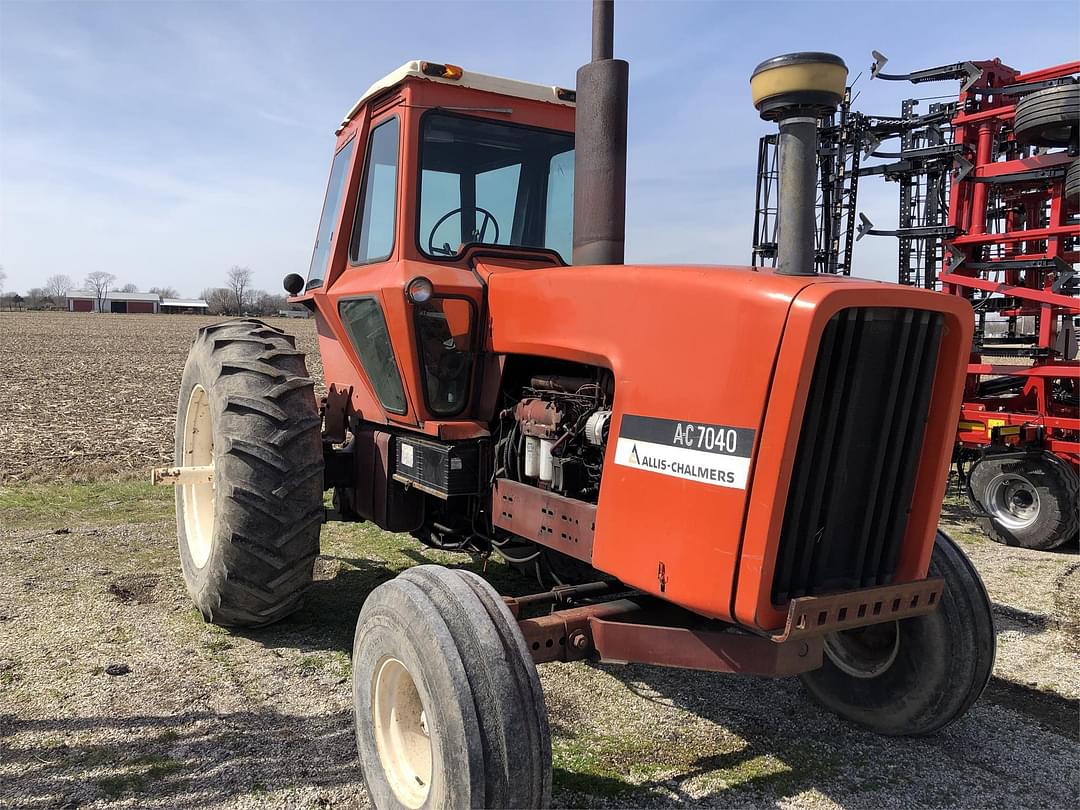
<point>363,318</point>
<point>320,257</point>
<point>373,232</point>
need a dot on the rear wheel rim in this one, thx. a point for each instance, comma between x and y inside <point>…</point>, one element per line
<point>1012,501</point>
<point>198,499</point>
<point>402,735</point>
<point>864,652</point>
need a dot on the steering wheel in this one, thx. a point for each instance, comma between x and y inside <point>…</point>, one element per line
<point>479,235</point>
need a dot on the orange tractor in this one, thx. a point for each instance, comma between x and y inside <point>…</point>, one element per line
<point>759,498</point>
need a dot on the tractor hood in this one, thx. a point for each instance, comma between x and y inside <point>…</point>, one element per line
<point>699,354</point>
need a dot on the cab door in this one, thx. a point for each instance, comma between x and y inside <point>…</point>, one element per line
<point>357,278</point>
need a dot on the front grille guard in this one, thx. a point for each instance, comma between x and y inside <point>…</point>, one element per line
<point>813,616</point>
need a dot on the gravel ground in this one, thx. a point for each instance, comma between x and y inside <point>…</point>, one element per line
<point>263,719</point>
<point>113,693</point>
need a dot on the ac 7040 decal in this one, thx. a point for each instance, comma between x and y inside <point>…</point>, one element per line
<point>696,451</point>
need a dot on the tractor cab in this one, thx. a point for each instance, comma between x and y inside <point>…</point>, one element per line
<point>433,166</point>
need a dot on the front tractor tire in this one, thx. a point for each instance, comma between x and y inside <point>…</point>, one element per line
<point>448,706</point>
<point>249,535</point>
<point>1027,500</point>
<point>914,676</point>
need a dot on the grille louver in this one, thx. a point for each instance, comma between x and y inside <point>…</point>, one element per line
<point>858,452</point>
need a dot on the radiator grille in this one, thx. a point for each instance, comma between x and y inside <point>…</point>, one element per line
<point>855,466</point>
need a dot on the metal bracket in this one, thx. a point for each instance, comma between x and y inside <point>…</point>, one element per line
<point>334,413</point>
<point>962,168</point>
<point>813,616</point>
<point>865,227</point>
<point>969,72</point>
<point>626,631</point>
<point>956,257</point>
<point>181,476</point>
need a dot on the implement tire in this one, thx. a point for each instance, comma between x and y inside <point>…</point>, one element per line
<point>925,675</point>
<point>1028,501</point>
<point>448,706</point>
<point>248,539</point>
<point>1072,184</point>
<point>1049,117</point>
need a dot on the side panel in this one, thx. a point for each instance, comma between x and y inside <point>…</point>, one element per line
<point>693,346</point>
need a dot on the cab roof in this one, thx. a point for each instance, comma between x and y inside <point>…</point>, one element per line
<point>468,78</point>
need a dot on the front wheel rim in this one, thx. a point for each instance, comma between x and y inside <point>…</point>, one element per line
<point>1012,501</point>
<point>402,734</point>
<point>864,652</point>
<point>197,449</point>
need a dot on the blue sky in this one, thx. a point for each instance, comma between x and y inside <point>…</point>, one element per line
<point>166,142</point>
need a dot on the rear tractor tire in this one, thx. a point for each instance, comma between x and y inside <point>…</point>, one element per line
<point>448,706</point>
<point>914,676</point>
<point>249,536</point>
<point>1028,501</point>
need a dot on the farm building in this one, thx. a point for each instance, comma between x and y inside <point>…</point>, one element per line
<point>147,303</point>
<point>86,301</point>
<point>185,306</point>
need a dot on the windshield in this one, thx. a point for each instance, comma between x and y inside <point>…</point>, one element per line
<point>495,183</point>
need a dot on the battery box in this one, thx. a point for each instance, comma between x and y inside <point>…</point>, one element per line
<point>438,468</point>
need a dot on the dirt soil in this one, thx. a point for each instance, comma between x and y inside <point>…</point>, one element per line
<point>114,693</point>
<point>86,396</point>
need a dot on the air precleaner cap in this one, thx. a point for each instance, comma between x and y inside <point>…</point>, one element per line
<point>809,82</point>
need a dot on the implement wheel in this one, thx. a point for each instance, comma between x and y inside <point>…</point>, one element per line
<point>1072,184</point>
<point>918,675</point>
<point>250,534</point>
<point>449,709</point>
<point>1049,117</point>
<point>1028,501</point>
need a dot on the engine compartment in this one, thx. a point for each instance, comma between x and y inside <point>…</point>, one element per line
<point>555,434</point>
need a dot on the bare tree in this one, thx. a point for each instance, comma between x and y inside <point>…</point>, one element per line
<point>165,292</point>
<point>99,283</point>
<point>3,278</point>
<point>265,303</point>
<point>37,297</point>
<point>239,282</point>
<point>58,286</point>
<point>129,288</point>
<point>219,299</point>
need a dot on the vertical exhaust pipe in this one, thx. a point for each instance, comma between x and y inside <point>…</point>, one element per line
<point>796,90</point>
<point>600,147</point>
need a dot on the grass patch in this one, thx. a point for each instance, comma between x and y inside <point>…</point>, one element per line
<point>103,503</point>
<point>607,765</point>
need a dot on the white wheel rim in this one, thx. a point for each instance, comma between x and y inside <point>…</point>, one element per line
<point>402,734</point>
<point>1012,501</point>
<point>864,652</point>
<point>198,499</point>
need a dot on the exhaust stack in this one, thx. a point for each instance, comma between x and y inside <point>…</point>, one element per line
<point>795,90</point>
<point>600,148</point>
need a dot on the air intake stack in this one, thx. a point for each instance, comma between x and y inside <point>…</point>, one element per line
<point>795,90</point>
<point>600,148</point>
